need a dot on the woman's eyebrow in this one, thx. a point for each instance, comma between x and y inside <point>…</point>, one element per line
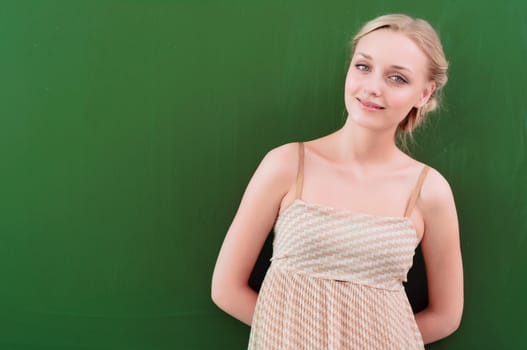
<point>393,65</point>
<point>401,68</point>
<point>365,56</point>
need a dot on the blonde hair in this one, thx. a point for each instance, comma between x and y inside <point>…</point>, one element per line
<point>426,38</point>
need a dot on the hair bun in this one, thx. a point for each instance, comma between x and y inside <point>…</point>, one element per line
<point>430,105</point>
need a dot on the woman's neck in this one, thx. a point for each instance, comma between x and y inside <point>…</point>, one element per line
<point>366,146</point>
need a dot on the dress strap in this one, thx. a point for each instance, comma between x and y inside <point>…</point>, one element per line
<point>300,172</point>
<point>416,191</point>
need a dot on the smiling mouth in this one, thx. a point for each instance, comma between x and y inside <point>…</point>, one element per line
<point>369,105</point>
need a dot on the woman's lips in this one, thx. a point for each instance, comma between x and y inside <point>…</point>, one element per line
<point>370,106</point>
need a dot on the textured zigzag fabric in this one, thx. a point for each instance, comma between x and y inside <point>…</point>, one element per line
<point>335,282</point>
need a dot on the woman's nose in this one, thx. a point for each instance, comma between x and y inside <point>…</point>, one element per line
<point>372,86</point>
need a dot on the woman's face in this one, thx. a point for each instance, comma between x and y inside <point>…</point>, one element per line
<point>386,78</point>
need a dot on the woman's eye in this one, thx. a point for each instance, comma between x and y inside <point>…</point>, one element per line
<point>362,67</point>
<point>398,79</point>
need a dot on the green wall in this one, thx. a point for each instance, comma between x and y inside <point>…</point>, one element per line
<point>129,130</point>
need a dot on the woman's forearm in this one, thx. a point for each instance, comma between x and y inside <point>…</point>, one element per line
<point>238,302</point>
<point>434,325</point>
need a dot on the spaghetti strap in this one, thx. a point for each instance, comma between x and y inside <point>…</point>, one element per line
<point>300,172</point>
<point>416,191</point>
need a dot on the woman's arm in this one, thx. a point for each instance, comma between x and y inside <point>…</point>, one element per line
<point>252,223</point>
<point>442,256</point>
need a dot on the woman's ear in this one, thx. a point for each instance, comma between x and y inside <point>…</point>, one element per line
<point>427,92</point>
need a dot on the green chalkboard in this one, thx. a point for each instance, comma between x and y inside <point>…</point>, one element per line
<point>129,130</point>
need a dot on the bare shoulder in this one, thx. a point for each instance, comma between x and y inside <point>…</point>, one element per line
<point>283,154</point>
<point>438,211</point>
<point>281,161</point>
<point>277,170</point>
<point>436,191</point>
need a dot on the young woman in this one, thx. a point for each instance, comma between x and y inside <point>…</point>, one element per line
<point>348,210</point>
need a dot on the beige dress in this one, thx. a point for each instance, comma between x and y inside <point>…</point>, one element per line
<point>335,280</point>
